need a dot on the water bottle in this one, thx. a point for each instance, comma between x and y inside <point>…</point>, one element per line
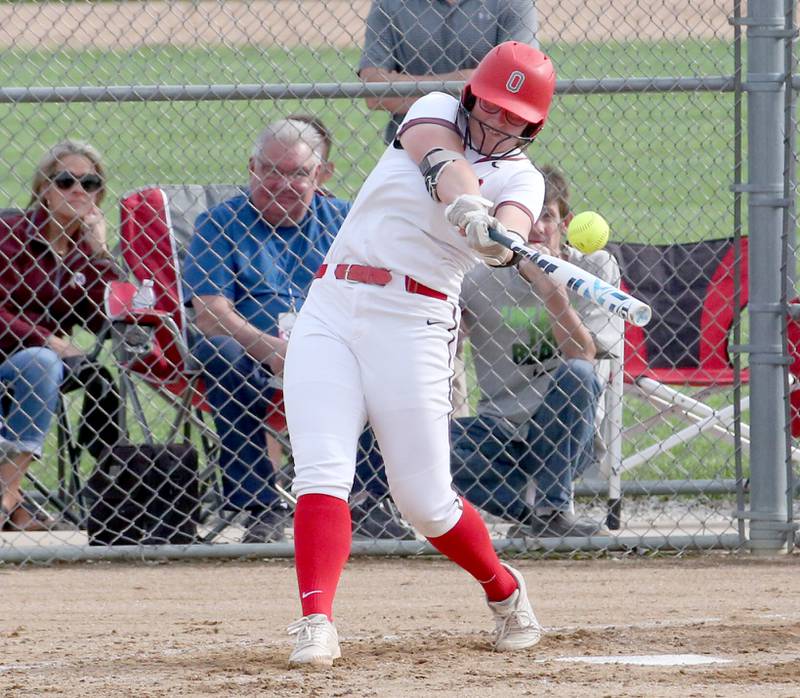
<point>138,339</point>
<point>145,297</point>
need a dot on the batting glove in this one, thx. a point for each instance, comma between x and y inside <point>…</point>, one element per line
<point>477,229</point>
<point>456,213</point>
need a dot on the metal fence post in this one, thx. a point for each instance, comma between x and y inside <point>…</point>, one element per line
<point>765,128</point>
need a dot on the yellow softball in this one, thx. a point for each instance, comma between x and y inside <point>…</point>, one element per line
<point>588,232</point>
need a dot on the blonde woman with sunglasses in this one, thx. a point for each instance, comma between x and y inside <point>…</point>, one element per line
<point>54,268</point>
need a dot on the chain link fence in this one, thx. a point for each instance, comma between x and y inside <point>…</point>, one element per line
<point>141,404</point>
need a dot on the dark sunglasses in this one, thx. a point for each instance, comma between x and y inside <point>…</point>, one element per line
<point>66,180</point>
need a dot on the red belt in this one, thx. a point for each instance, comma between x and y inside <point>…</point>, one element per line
<point>377,277</point>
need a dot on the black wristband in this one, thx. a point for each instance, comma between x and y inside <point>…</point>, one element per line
<point>432,179</point>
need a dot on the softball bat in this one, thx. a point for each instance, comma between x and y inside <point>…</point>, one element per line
<point>580,282</point>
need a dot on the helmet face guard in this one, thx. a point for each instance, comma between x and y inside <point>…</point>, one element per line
<point>516,141</point>
<point>518,78</point>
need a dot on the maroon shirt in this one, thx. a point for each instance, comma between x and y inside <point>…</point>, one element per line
<point>40,293</point>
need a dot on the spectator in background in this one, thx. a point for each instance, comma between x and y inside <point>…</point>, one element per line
<point>536,358</point>
<point>54,268</point>
<point>248,268</point>
<point>413,40</point>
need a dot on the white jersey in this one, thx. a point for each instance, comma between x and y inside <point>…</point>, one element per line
<point>394,224</point>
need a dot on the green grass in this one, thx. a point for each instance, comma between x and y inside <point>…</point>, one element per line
<point>657,166</point>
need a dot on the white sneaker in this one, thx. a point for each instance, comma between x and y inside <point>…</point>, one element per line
<point>317,641</point>
<point>515,624</point>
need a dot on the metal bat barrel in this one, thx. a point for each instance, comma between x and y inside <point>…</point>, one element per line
<point>581,282</point>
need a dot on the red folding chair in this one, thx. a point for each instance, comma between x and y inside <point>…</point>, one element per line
<point>156,225</point>
<point>793,348</point>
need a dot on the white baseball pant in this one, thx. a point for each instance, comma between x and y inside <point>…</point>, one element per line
<point>363,352</point>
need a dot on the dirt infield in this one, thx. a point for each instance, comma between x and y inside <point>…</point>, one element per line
<point>125,25</point>
<point>408,627</point>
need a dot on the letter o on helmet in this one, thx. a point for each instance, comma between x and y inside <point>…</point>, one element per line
<point>517,77</point>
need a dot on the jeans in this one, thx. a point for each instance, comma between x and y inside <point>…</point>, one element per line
<point>492,469</point>
<point>239,392</point>
<point>31,379</point>
<point>370,473</point>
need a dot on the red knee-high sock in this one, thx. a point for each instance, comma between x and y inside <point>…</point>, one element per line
<point>322,537</point>
<point>468,545</point>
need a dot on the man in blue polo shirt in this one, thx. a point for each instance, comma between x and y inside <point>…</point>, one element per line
<point>247,271</point>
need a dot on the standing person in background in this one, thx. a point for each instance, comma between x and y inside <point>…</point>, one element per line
<point>384,313</point>
<point>54,269</point>
<point>537,358</point>
<point>413,40</point>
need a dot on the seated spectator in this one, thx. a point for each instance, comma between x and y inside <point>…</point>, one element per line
<point>247,271</point>
<point>54,268</point>
<point>536,356</point>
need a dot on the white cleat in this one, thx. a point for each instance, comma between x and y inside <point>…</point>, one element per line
<point>317,642</point>
<point>516,626</point>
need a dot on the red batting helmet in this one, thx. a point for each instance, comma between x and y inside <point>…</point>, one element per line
<point>517,77</point>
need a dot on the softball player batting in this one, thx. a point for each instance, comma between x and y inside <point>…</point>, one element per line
<point>376,337</point>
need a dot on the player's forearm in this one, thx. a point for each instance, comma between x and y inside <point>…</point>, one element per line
<point>458,178</point>
<point>573,339</point>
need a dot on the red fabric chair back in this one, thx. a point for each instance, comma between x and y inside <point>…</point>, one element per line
<point>793,345</point>
<point>691,288</point>
<point>156,224</point>
<point>149,251</point>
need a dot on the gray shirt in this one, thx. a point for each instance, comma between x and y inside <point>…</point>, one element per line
<point>512,340</point>
<point>431,37</point>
